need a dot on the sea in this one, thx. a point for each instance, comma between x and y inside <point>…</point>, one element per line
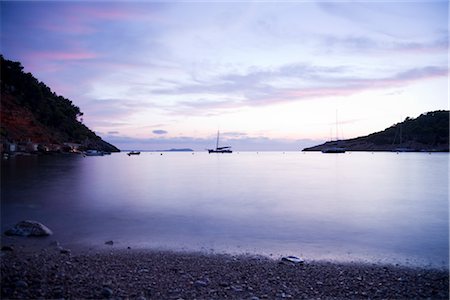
<point>366,207</point>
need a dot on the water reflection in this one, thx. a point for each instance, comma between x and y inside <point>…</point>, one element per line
<point>382,206</point>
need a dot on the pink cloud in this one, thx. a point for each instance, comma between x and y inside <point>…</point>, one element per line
<point>71,27</point>
<point>63,55</point>
<point>80,19</point>
<point>357,86</point>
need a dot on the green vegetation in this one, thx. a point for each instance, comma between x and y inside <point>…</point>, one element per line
<point>428,132</point>
<point>55,113</point>
<point>430,128</point>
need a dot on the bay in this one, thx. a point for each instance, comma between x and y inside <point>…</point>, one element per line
<point>371,207</point>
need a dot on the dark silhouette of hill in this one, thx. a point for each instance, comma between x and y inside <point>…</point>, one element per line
<point>31,112</point>
<point>428,132</point>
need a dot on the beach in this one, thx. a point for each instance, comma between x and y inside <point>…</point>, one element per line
<point>53,272</point>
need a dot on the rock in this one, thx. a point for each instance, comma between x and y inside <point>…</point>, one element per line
<point>293,260</point>
<point>7,248</point>
<point>109,243</point>
<point>237,288</point>
<point>107,292</point>
<point>20,284</point>
<point>29,228</point>
<point>200,283</point>
<point>64,251</point>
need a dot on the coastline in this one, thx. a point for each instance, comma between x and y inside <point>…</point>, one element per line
<point>53,272</point>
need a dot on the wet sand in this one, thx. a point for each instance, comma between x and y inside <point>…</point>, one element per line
<point>52,273</point>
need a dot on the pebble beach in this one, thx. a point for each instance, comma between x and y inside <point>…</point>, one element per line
<point>56,273</point>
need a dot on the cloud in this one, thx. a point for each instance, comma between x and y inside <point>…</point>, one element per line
<point>357,44</point>
<point>233,134</point>
<point>62,55</point>
<point>159,131</point>
<point>113,132</point>
<point>303,82</point>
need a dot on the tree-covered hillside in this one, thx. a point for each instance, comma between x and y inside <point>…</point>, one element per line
<point>428,132</point>
<point>30,111</point>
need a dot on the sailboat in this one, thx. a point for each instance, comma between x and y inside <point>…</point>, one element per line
<point>335,149</point>
<point>226,149</point>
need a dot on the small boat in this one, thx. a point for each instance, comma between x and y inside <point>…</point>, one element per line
<point>93,153</point>
<point>133,153</point>
<point>226,149</point>
<point>220,150</point>
<point>335,149</point>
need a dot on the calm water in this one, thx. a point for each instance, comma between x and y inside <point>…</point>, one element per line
<point>381,207</point>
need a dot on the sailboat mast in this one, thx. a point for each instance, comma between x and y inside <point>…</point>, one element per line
<point>217,142</point>
<point>336,125</point>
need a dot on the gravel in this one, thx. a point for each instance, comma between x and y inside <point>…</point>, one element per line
<point>148,274</point>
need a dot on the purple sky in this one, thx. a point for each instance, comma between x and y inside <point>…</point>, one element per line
<point>269,75</point>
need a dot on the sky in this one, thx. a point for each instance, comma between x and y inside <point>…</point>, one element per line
<point>268,75</point>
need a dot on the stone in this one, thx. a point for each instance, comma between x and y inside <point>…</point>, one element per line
<point>20,284</point>
<point>7,248</point>
<point>200,283</point>
<point>64,251</point>
<point>109,243</point>
<point>107,292</point>
<point>293,260</point>
<point>29,228</point>
<point>237,288</point>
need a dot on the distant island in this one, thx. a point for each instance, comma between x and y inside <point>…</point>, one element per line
<point>172,150</point>
<point>429,132</point>
<point>37,120</point>
<point>180,150</point>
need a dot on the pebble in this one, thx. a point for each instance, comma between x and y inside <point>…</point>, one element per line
<point>64,251</point>
<point>159,275</point>
<point>293,259</point>
<point>107,292</point>
<point>21,284</point>
<point>7,248</point>
<point>236,288</point>
<point>200,283</point>
<point>109,243</point>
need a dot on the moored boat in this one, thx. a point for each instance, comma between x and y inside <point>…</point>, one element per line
<point>133,153</point>
<point>93,153</point>
<point>225,149</point>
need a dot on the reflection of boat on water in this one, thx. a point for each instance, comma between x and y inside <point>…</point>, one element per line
<point>226,149</point>
<point>93,153</point>
<point>133,153</point>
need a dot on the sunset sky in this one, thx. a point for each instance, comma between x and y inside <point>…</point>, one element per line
<point>268,75</point>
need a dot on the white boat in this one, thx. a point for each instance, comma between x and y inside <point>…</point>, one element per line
<point>93,153</point>
<point>335,149</point>
<point>226,149</point>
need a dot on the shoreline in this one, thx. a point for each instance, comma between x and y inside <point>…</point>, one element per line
<point>55,272</point>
